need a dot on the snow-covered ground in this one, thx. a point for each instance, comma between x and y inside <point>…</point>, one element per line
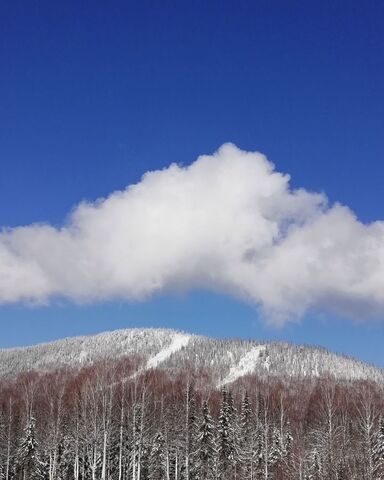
<point>179,341</point>
<point>246,365</point>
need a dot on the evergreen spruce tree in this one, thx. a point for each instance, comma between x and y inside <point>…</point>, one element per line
<point>234,431</point>
<point>314,470</point>
<point>280,448</point>
<point>206,447</point>
<point>145,461</point>
<point>378,454</point>
<point>64,459</point>
<point>246,420</point>
<point>138,452</point>
<point>342,471</point>
<point>288,441</point>
<point>156,464</point>
<point>28,461</point>
<point>285,448</point>
<point>192,433</point>
<point>113,458</point>
<point>227,435</point>
<point>245,436</point>
<point>223,435</point>
<point>275,453</point>
<point>43,469</point>
<point>258,454</point>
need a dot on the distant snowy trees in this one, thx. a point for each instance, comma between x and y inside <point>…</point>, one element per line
<point>103,422</point>
<point>226,360</point>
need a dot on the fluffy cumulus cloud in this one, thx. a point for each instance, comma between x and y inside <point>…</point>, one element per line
<point>228,222</point>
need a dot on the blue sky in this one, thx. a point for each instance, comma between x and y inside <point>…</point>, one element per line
<point>94,95</point>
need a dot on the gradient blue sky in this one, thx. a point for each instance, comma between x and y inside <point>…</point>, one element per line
<point>94,94</point>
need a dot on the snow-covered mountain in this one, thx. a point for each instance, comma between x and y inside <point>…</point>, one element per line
<point>225,361</point>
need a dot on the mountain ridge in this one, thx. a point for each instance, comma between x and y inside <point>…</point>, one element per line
<point>226,360</point>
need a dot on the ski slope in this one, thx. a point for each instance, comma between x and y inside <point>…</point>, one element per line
<point>246,365</point>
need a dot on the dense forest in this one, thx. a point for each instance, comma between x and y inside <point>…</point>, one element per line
<point>106,422</point>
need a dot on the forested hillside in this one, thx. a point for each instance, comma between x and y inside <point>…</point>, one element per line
<point>165,405</point>
<point>172,351</point>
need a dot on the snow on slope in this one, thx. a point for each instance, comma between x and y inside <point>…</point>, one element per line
<point>179,341</point>
<point>78,352</point>
<point>246,365</point>
<point>224,361</point>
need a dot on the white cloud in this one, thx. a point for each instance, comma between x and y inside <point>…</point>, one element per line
<point>227,222</point>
